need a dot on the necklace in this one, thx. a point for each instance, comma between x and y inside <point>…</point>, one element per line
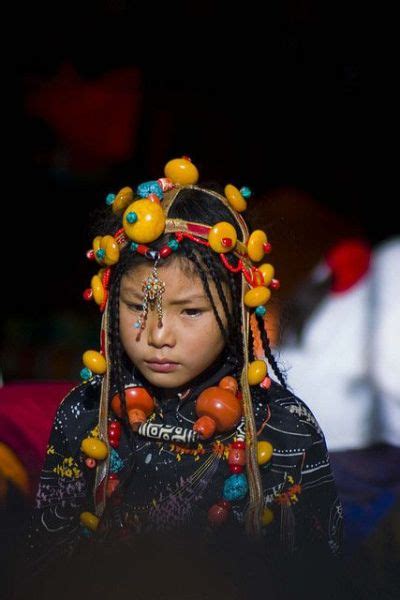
<point>218,409</point>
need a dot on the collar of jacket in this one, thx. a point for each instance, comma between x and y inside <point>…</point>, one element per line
<point>227,364</point>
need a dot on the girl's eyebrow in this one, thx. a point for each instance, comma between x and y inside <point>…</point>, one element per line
<point>185,300</point>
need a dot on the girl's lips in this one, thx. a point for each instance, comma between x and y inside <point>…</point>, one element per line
<point>162,367</point>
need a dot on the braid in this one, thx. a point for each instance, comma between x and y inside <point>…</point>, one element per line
<point>237,319</point>
<point>235,331</point>
<point>117,351</point>
<point>268,351</point>
<point>217,276</point>
<point>191,255</point>
<point>252,355</point>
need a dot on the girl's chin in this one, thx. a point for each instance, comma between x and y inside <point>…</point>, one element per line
<point>167,379</point>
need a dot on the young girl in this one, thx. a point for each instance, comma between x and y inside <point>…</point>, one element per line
<point>177,426</point>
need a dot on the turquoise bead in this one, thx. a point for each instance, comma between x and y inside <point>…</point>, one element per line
<point>110,199</point>
<point>260,311</point>
<point>131,217</point>
<point>134,246</point>
<point>235,487</point>
<point>116,463</point>
<point>173,244</point>
<point>150,187</point>
<point>246,192</point>
<point>100,253</point>
<point>86,532</point>
<point>86,374</point>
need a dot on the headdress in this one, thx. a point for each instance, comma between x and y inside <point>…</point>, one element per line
<point>144,219</point>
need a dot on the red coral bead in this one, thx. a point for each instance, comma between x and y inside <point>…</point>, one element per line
<point>224,504</point>
<point>166,251</point>
<point>88,294</point>
<point>239,444</point>
<point>236,468</point>
<point>90,254</point>
<point>275,284</point>
<point>115,426</point>
<point>217,515</point>
<point>237,456</point>
<point>114,441</point>
<point>112,485</point>
<point>267,247</point>
<point>266,383</point>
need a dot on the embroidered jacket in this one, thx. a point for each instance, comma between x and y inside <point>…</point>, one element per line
<point>168,488</point>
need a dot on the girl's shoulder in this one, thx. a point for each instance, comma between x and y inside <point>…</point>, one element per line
<point>78,412</point>
<point>285,419</point>
<point>298,409</point>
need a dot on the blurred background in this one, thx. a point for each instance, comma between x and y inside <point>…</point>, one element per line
<point>103,94</point>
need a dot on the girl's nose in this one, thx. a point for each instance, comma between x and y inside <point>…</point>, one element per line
<point>159,336</point>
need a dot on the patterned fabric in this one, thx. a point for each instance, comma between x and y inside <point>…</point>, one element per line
<point>168,487</point>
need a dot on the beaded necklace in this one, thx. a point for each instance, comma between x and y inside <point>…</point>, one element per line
<point>235,487</point>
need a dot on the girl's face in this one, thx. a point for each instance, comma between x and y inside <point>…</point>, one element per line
<point>189,339</point>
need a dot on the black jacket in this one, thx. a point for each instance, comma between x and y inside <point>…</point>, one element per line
<point>169,493</point>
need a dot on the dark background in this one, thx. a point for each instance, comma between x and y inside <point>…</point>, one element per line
<point>259,94</point>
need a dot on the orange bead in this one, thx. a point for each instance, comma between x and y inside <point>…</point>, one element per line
<point>137,399</point>
<point>205,427</point>
<point>229,383</point>
<point>220,405</point>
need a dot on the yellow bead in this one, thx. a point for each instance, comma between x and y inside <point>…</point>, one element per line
<point>122,200</point>
<point>256,372</point>
<point>264,452</point>
<point>221,232</point>
<point>268,272</point>
<point>257,296</point>
<point>111,249</point>
<point>94,361</point>
<point>182,171</point>
<point>235,198</point>
<point>97,289</point>
<point>97,243</point>
<point>150,222</point>
<point>267,517</point>
<point>255,245</point>
<point>89,520</point>
<point>94,448</point>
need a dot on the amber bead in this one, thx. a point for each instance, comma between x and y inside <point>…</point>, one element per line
<point>94,448</point>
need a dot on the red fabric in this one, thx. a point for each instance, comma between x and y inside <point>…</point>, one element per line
<point>27,411</point>
<point>96,119</point>
<point>349,261</point>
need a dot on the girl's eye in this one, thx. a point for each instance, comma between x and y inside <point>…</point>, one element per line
<point>135,307</point>
<point>195,312</point>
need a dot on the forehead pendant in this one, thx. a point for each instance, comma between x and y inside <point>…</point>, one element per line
<point>153,289</point>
